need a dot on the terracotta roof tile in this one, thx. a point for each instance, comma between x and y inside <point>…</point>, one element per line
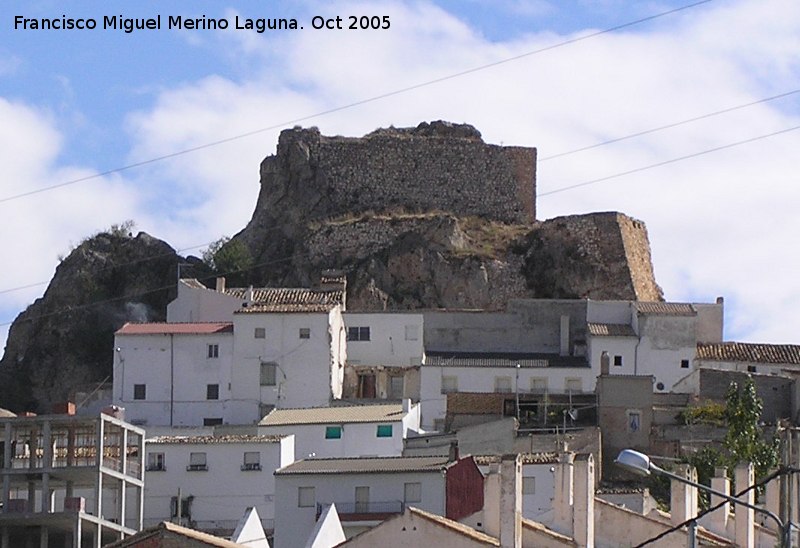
<point>749,352</point>
<point>365,465</point>
<point>610,330</point>
<point>209,440</point>
<point>666,309</point>
<point>281,299</point>
<point>206,328</point>
<point>163,527</point>
<point>547,457</point>
<point>334,415</point>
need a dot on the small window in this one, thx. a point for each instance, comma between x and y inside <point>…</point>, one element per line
<point>213,351</point>
<point>529,486</point>
<point>306,497</point>
<point>538,385</point>
<point>305,333</point>
<point>412,492</point>
<point>618,361</point>
<point>684,364</point>
<point>212,421</point>
<point>260,333</point>
<point>155,462</point>
<point>252,461</point>
<point>197,462</point>
<point>384,431</point>
<point>573,384</point>
<point>139,391</point>
<point>412,333</point>
<point>268,370</point>
<point>333,432</point>
<point>751,369</point>
<point>212,391</point>
<point>449,384</point>
<point>502,384</point>
<point>358,333</point>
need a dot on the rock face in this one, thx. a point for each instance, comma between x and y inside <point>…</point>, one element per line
<point>426,217</point>
<point>66,337</point>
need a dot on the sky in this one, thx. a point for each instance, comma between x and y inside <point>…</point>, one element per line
<point>703,106</point>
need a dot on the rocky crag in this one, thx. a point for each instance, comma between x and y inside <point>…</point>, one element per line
<point>425,217</point>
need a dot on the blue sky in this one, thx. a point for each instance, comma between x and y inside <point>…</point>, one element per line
<point>77,103</point>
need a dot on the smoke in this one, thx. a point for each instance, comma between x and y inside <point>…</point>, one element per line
<point>137,312</point>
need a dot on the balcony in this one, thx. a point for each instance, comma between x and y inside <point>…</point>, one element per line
<point>251,466</point>
<point>365,511</point>
<point>197,468</point>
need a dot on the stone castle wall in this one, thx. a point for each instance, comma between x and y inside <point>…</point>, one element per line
<point>434,167</point>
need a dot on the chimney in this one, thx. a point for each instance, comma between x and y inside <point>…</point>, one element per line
<point>511,501</point>
<point>221,284</point>
<point>564,351</point>
<point>248,296</point>
<point>583,513</point>
<point>406,405</point>
<point>452,454</point>
<point>717,521</point>
<point>63,408</point>
<point>683,497</point>
<point>491,501</point>
<point>605,363</point>
<point>745,529</point>
<point>564,491</point>
<point>720,300</point>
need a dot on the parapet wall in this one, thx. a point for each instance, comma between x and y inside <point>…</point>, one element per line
<point>434,167</point>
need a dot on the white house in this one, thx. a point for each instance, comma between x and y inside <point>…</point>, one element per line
<point>352,431</point>
<point>173,374</point>
<point>218,478</point>
<point>538,480</point>
<point>368,490</point>
<point>770,359</point>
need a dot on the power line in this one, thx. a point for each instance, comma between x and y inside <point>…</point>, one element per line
<point>669,126</point>
<point>356,103</point>
<point>665,162</point>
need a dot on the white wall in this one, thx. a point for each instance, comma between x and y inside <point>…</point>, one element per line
<point>176,370</point>
<point>294,525</point>
<point>201,305</point>
<point>615,346</point>
<point>224,492</point>
<point>664,342</point>
<point>541,501</point>
<point>358,440</point>
<point>395,338</point>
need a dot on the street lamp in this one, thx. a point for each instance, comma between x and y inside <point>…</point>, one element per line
<point>640,464</point>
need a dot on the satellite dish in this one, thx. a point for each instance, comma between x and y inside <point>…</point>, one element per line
<point>573,414</point>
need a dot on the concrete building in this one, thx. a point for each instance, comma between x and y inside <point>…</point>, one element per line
<point>384,352</point>
<point>346,431</point>
<point>368,490</point>
<point>218,479</point>
<point>70,481</point>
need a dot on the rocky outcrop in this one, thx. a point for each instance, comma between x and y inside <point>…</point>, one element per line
<point>65,338</point>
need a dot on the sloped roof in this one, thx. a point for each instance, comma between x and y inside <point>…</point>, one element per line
<point>164,528</point>
<point>665,309</point>
<point>545,457</point>
<point>443,358</point>
<point>455,526</point>
<point>5,413</point>
<point>749,352</point>
<point>288,299</point>
<point>334,415</point>
<point>210,440</point>
<point>365,465</point>
<point>204,328</point>
<point>610,330</point>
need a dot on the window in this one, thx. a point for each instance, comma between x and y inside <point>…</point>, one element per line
<point>449,384</point>
<point>751,368</point>
<point>528,486</point>
<point>212,421</point>
<point>252,461</point>
<point>197,462</point>
<point>333,432</point>
<point>684,364</point>
<point>539,384</point>
<point>412,492</point>
<point>268,370</point>
<point>502,384</point>
<point>155,462</point>
<point>366,386</point>
<point>573,384</point>
<point>395,388</point>
<point>362,499</point>
<point>618,361</point>
<point>384,431</point>
<point>260,333</point>
<point>306,497</point>
<point>358,333</point>
<point>139,391</point>
<point>213,351</point>
<point>412,333</point>
<point>305,333</point>
<point>212,391</point>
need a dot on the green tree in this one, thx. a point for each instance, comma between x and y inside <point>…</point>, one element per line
<point>229,258</point>
<point>744,441</point>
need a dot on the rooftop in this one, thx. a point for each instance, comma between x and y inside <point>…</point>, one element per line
<point>437,358</point>
<point>547,457</point>
<point>336,415</point>
<point>208,440</point>
<point>456,527</point>
<point>749,352</point>
<point>610,330</point>
<point>206,328</point>
<point>665,309</point>
<point>366,465</point>
<point>291,299</point>
<point>165,527</point>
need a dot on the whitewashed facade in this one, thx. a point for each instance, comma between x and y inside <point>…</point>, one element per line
<point>384,338</point>
<point>219,478</point>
